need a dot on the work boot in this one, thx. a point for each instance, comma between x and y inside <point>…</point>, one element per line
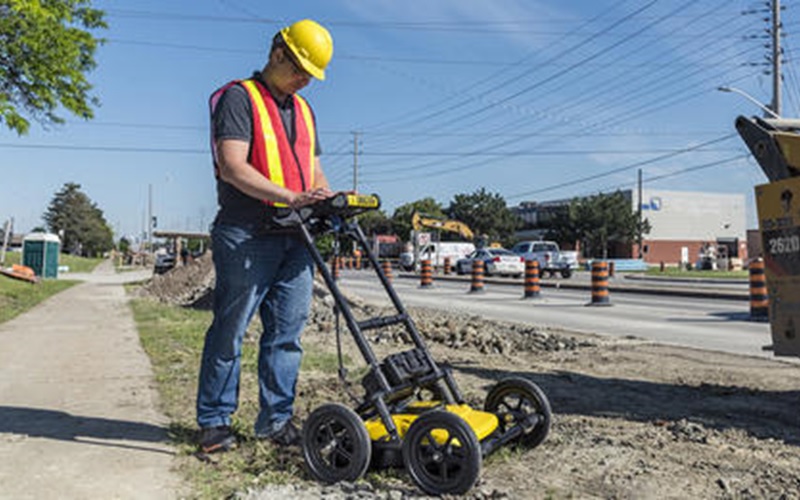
<point>217,439</point>
<point>288,435</point>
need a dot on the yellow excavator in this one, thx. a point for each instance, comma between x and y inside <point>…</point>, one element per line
<point>775,144</point>
<point>436,250</point>
<point>420,221</point>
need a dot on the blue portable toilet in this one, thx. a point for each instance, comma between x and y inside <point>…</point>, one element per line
<point>40,253</point>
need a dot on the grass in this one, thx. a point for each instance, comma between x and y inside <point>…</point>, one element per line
<point>674,272</point>
<point>173,339</point>
<point>76,264</point>
<point>16,296</point>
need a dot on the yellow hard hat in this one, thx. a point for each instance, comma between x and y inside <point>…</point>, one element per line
<point>311,44</point>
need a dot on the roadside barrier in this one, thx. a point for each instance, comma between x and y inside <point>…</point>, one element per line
<point>358,261</point>
<point>426,274</point>
<point>532,288</point>
<point>387,269</point>
<point>661,267</point>
<point>335,267</point>
<point>611,269</point>
<point>477,277</point>
<point>599,284</point>
<point>759,300</point>
<point>447,265</point>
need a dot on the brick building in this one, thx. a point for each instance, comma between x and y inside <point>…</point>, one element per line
<point>682,223</point>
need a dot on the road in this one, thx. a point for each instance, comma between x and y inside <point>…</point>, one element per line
<point>705,323</point>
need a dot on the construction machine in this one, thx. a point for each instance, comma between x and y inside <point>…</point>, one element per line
<point>420,221</point>
<point>775,144</point>
<point>435,249</point>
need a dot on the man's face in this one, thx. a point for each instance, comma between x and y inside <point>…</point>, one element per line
<point>291,76</point>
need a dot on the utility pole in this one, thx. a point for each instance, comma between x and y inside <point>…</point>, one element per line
<point>355,161</point>
<point>776,57</point>
<point>9,227</point>
<point>150,217</point>
<point>639,215</point>
<point>355,175</point>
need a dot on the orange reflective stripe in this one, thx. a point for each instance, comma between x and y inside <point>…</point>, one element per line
<point>270,141</point>
<point>312,137</point>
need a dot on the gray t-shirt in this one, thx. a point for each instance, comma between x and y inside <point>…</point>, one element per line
<point>233,119</point>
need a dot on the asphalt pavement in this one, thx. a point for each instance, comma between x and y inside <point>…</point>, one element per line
<point>78,403</point>
<point>734,289</point>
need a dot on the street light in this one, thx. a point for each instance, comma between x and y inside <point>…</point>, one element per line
<point>751,99</point>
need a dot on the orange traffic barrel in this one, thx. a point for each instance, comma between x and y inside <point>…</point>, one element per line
<point>447,265</point>
<point>387,269</point>
<point>477,277</point>
<point>759,300</point>
<point>426,274</point>
<point>532,288</point>
<point>358,261</point>
<point>599,284</point>
<point>335,267</point>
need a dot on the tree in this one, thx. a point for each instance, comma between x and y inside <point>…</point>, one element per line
<point>124,245</point>
<point>375,222</point>
<point>46,49</point>
<point>486,214</point>
<point>83,229</point>
<point>561,226</point>
<point>401,219</point>
<point>604,218</point>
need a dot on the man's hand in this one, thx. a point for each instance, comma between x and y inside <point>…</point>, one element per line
<point>309,197</point>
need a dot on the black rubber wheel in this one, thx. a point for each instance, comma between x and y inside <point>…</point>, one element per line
<point>336,444</point>
<point>566,273</point>
<point>512,400</point>
<point>442,453</point>
<point>459,270</point>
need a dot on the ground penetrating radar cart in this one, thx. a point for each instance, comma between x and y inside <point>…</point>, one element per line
<point>412,413</point>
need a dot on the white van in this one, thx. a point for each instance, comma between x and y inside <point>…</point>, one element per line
<point>436,252</point>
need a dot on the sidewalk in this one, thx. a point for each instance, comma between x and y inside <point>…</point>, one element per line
<point>78,415</point>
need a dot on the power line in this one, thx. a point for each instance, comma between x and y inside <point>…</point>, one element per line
<point>620,169</point>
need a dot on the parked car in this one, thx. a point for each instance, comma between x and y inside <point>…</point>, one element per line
<point>495,261</point>
<point>164,262</point>
<point>548,255</point>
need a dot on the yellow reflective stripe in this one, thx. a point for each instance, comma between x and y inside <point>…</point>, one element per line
<point>312,137</point>
<point>270,140</point>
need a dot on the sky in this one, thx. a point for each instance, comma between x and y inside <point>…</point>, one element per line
<point>534,100</point>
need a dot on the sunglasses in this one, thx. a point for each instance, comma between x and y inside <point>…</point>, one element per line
<point>296,68</point>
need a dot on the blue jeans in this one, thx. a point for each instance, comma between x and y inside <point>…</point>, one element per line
<point>271,273</point>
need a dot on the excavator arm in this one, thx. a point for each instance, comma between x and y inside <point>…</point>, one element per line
<point>420,221</point>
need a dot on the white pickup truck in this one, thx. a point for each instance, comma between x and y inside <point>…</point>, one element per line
<point>548,255</point>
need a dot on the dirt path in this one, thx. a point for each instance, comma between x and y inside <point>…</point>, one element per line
<point>77,401</point>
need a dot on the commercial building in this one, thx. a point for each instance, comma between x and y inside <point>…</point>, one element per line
<point>683,224</point>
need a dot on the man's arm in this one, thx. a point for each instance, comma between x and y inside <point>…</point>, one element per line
<point>237,171</point>
<point>320,181</point>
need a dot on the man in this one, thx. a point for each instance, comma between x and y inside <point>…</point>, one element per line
<point>266,155</point>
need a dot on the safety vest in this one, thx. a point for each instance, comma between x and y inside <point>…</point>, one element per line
<point>271,153</point>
